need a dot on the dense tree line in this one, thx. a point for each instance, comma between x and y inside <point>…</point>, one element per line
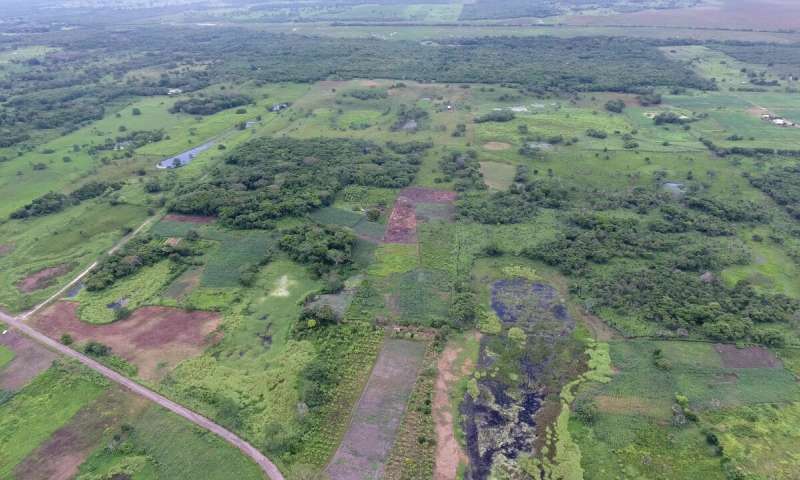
<point>269,178</point>
<point>53,202</point>
<point>139,252</point>
<point>783,185</point>
<point>71,86</point>
<point>210,104</point>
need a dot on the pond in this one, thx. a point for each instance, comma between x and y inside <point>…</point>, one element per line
<point>184,158</point>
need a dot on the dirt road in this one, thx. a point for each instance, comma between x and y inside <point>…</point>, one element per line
<point>17,322</point>
<point>269,468</point>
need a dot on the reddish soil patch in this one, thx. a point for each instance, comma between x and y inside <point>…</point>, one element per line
<point>173,241</point>
<point>200,219</point>
<point>367,443</point>
<point>730,14</point>
<point>402,226</point>
<point>496,146</point>
<point>448,452</point>
<point>416,195</point>
<point>748,357</point>
<point>62,454</point>
<point>42,278</point>
<point>30,359</point>
<point>155,339</point>
<point>5,249</point>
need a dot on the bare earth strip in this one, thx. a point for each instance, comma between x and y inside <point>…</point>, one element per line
<point>367,443</point>
<point>448,452</point>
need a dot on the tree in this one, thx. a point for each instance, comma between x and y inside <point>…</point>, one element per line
<point>136,112</point>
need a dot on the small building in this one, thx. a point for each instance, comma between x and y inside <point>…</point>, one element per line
<point>279,107</point>
<point>174,91</point>
<point>780,122</point>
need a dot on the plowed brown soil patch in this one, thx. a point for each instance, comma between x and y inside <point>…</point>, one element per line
<point>448,452</point>
<point>155,339</point>
<point>402,226</point>
<point>30,359</point>
<point>63,453</point>
<point>496,146</point>
<point>416,195</point>
<point>42,278</point>
<point>199,219</point>
<point>749,357</point>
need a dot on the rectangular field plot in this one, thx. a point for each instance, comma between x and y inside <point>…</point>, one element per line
<point>366,445</point>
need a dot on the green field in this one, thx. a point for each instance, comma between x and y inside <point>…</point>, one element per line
<point>41,408</point>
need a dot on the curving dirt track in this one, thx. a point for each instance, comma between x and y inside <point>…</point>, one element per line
<point>266,465</point>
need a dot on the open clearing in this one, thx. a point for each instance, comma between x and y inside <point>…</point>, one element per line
<point>498,176</point>
<point>199,219</point>
<point>366,445</point>
<point>29,360</point>
<point>155,339</point>
<point>496,146</point>
<point>43,278</point>
<point>62,454</point>
<point>747,357</point>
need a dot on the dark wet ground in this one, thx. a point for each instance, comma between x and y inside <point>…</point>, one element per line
<point>501,421</point>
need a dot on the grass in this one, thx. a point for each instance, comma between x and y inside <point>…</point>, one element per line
<point>232,252</point>
<point>163,445</point>
<point>498,176</point>
<point>142,288</point>
<point>249,379</point>
<point>76,236</point>
<point>759,441</point>
<point>6,355</point>
<point>394,258</point>
<point>771,270</point>
<point>41,408</point>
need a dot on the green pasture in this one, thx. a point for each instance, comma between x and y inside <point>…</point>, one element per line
<point>6,356</point>
<point>41,408</point>
<point>76,236</point>
<point>140,289</point>
<point>162,445</point>
<point>771,269</point>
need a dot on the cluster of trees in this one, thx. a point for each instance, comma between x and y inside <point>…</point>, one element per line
<point>496,116</point>
<point>322,248</point>
<point>53,202</point>
<point>463,169</point>
<point>129,141</point>
<point>783,185</point>
<point>269,178</point>
<point>519,204</point>
<point>139,252</point>
<point>209,104</point>
<point>675,299</point>
<point>616,106</point>
<point>368,93</point>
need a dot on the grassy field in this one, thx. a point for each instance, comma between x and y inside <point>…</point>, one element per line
<point>33,414</point>
<point>140,289</point>
<point>6,356</point>
<point>159,444</point>
<point>74,237</point>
